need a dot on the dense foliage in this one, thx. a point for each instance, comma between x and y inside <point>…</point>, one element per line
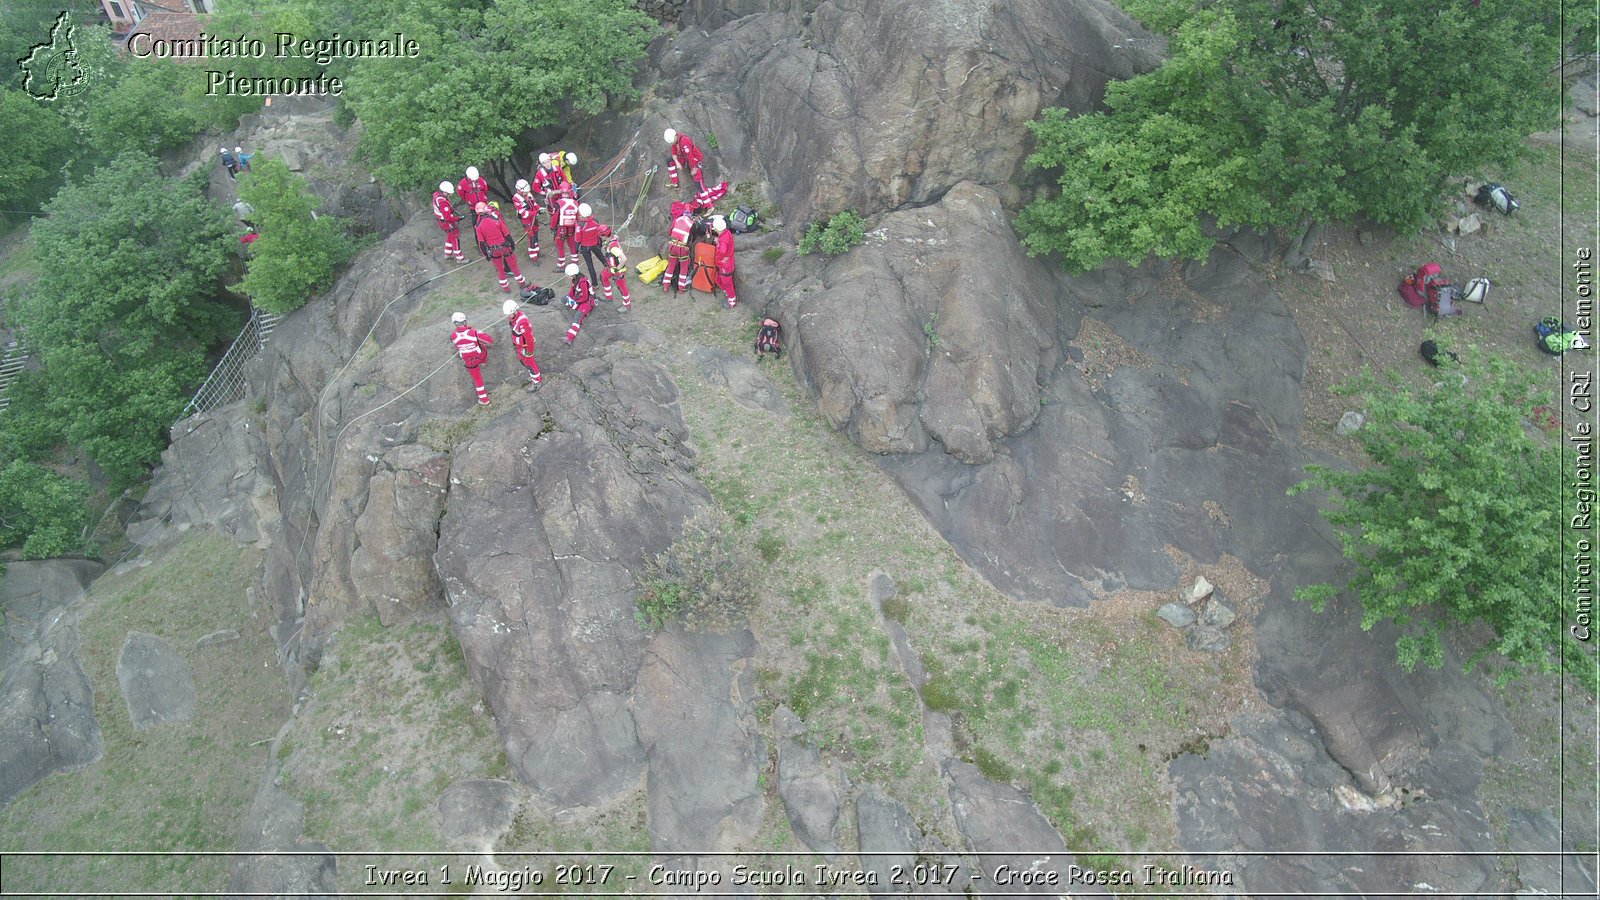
<point>40,510</point>
<point>486,75</point>
<point>297,251</point>
<point>1458,517</point>
<point>1274,114</point>
<point>834,235</point>
<point>124,310</point>
<point>36,148</point>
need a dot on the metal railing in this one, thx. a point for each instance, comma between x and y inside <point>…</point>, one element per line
<point>12,362</point>
<point>226,383</point>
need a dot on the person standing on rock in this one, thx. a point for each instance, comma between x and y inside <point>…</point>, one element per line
<point>496,245</point>
<point>444,211</point>
<point>548,179</point>
<point>245,213</point>
<point>473,345</point>
<point>473,189</point>
<point>678,250</point>
<point>580,299</point>
<point>719,226</point>
<point>522,339</point>
<point>682,153</point>
<point>616,267</point>
<point>564,222</point>
<point>527,207</point>
<point>243,157</point>
<point>230,163</point>
<point>586,235</point>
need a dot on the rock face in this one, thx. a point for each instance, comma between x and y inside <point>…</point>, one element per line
<point>809,794</point>
<point>156,681</point>
<point>474,813</point>
<point>815,85</point>
<point>47,721</point>
<point>292,866</point>
<point>392,564</point>
<point>544,527</point>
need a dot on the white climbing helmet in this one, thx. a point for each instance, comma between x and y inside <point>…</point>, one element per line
<point>544,159</point>
<point>458,318</point>
<point>522,185</point>
<point>222,149</point>
<point>572,159</point>
<point>585,210</point>
<point>447,187</point>
<point>572,269</point>
<point>472,173</point>
<point>719,224</point>
<point>508,307</point>
<point>670,135</point>
<point>238,149</point>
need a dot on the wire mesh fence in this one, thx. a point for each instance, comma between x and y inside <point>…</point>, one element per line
<point>226,383</point>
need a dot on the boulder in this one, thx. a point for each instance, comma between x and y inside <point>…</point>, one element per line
<point>1177,615</point>
<point>1207,638</point>
<point>809,790</point>
<point>1349,423</point>
<point>474,813</point>
<point>1001,823</point>
<point>953,356</point>
<point>47,721</point>
<point>745,382</point>
<point>392,564</point>
<point>543,532</point>
<point>290,865</point>
<point>156,681</point>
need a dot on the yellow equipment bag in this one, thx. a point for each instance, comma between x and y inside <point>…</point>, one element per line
<point>650,270</point>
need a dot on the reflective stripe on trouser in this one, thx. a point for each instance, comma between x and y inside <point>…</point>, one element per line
<point>477,383</point>
<point>500,264</point>
<point>725,282</point>
<point>577,323</point>
<point>533,240</point>
<point>608,276</point>
<point>452,242</point>
<point>533,367</point>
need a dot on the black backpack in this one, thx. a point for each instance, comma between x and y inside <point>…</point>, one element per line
<point>1496,196</point>
<point>769,338</point>
<point>538,297</point>
<point>742,220</point>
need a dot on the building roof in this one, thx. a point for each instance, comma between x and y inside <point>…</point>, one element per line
<point>172,26</point>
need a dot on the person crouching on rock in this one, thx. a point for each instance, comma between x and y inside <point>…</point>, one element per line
<point>522,339</point>
<point>496,245</point>
<point>471,344</point>
<point>580,299</point>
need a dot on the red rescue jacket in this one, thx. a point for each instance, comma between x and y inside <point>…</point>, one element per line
<point>685,150</point>
<point>494,239</point>
<point>522,333</point>
<point>444,211</point>
<point>473,192</point>
<point>470,343</point>
<point>527,208</point>
<point>582,294</point>
<point>725,252</point>
<point>588,232</point>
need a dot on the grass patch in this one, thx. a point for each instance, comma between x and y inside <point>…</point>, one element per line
<point>129,799</point>
<point>773,254</point>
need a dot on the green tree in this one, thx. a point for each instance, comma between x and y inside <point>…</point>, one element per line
<point>125,307</point>
<point>486,75</point>
<point>1457,518</point>
<point>33,153</point>
<point>40,511</point>
<point>297,251</point>
<point>1273,114</point>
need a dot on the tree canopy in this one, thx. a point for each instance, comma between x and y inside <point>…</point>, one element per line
<point>486,75</point>
<point>124,309</point>
<point>1457,518</point>
<point>1270,113</point>
<point>297,251</point>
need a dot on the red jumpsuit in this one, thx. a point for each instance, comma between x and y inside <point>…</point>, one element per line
<point>527,208</point>
<point>494,241</point>
<point>684,153</point>
<point>706,200</point>
<point>546,181</point>
<point>616,269</point>
<point>586,235</point>
<point>473,192</point>
<point>678,251</point>
<point>449,222</point>
<point>470,343</point>
<point>580,299</point>
<point>522,339</point>
<point>564,221</point>
<point>725,266</point>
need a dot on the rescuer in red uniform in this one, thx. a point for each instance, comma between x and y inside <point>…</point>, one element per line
<point>616,267</point>
<point>527,207</point>
<point>445,212</point>
<point>580,299</point>
<point>496,245</point>
<point>472,345</point>
<point>547,179</point>
<point>719,225</point>
<point>564,222</point>
<point>683,154</point>
<point>678,250</point>
<point>522,339</point>
<point>587,236</point>
<point>473,190</point>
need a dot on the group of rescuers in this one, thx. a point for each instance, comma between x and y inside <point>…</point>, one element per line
<point>576,230</point>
